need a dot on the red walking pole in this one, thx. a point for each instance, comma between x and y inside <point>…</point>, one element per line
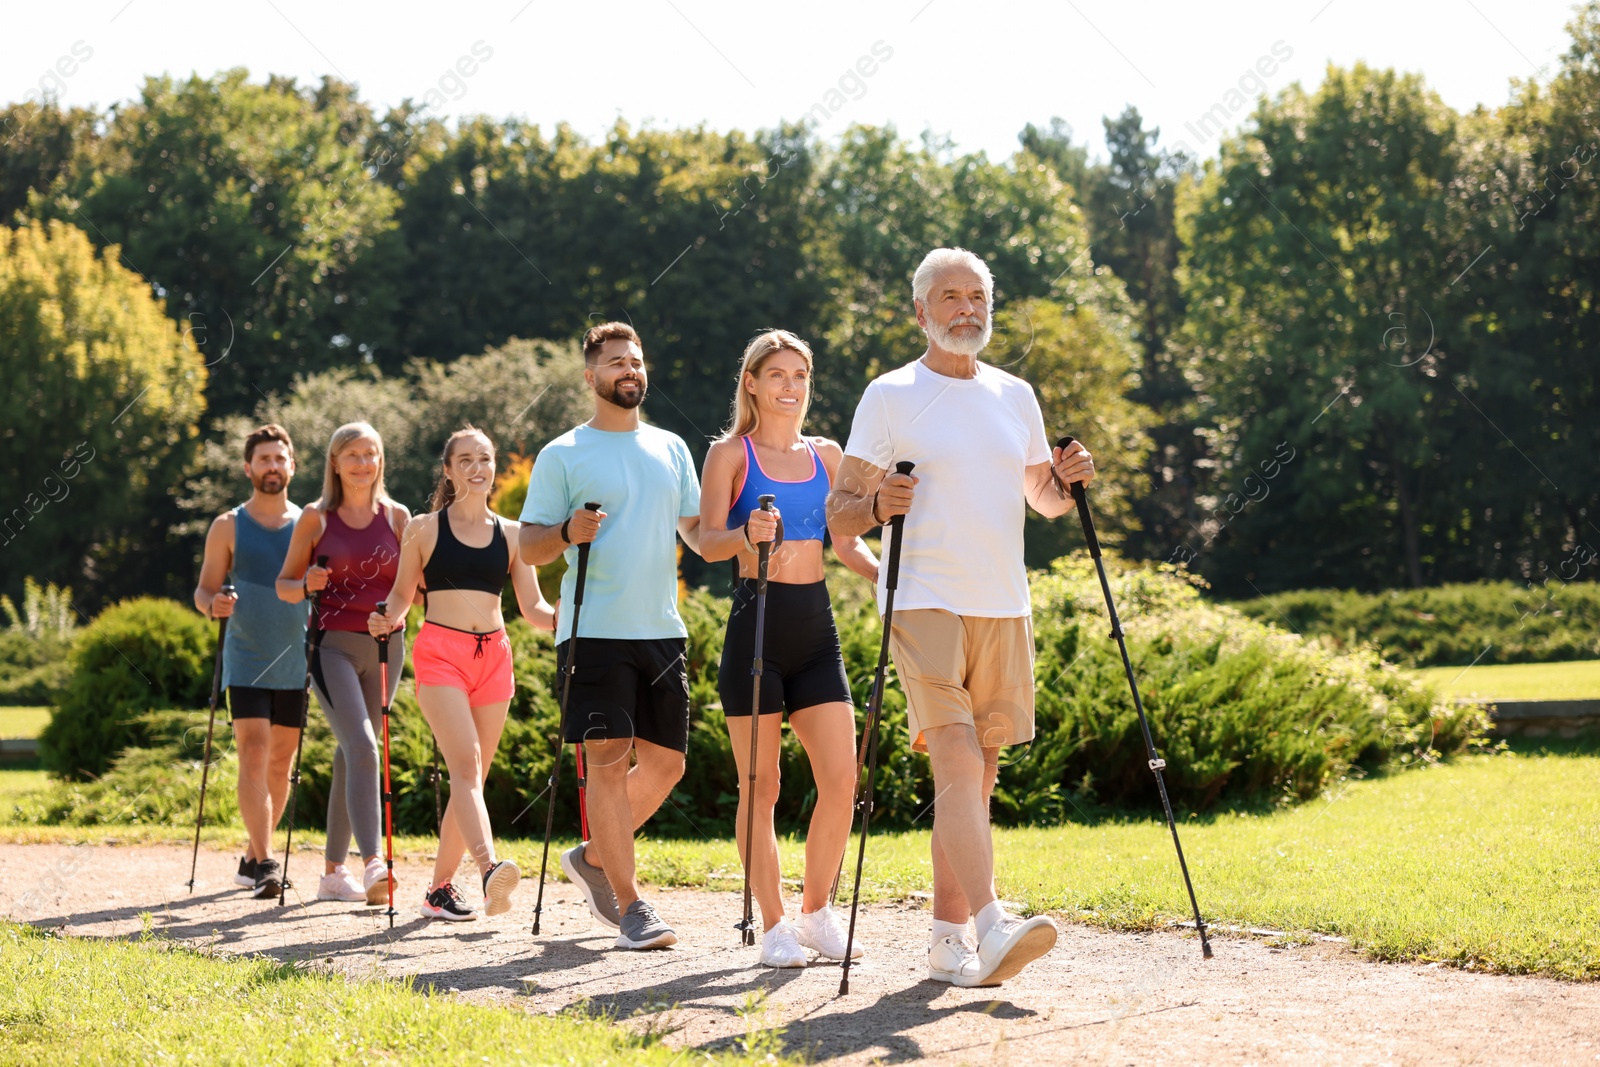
<point>388,790</point>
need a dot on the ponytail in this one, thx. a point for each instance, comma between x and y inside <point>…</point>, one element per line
<point>444,490</point>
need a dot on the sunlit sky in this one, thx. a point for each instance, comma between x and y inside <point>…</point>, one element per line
<point>975,73</point>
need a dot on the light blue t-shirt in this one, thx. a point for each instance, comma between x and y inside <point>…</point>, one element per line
<point>644,481</point>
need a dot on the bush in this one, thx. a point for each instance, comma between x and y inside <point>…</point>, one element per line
<point>1448,625</point>
<point>137,656</point>
<point>36,644</point>
<point>1242,712</point>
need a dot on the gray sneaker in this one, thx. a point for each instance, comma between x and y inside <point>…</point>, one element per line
<point>643,928</point>
<point>594,885</point>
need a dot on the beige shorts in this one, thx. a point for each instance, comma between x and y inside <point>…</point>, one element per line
<point>967,670</point>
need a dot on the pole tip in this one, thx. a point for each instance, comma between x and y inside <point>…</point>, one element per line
<point>1205,949</point>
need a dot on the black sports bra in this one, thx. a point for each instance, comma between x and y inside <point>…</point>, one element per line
<point>454,565</point>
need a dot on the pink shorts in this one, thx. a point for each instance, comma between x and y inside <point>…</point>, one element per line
<point>477,664</point>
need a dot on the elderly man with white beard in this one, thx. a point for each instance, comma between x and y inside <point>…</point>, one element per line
<point>962,634</point>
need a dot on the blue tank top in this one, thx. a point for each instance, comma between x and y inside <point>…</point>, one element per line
<point>265,646</point>
<point>803,504</point>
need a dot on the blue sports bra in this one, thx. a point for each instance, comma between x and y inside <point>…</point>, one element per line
<point>803,504</point>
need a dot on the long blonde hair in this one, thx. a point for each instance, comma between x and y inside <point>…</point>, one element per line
<point>332,487</point>
<point>745,418</point>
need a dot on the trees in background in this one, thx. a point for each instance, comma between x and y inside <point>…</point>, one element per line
<point>1355,349</point>
<point>100,414</point>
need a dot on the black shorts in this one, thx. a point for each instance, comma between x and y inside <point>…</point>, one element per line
<point>628,688</point>
<point>283,707</point>
<point>801,663</point>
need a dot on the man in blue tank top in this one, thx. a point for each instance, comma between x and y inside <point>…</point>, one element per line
<point>263,660</point>
<point>630,689</point>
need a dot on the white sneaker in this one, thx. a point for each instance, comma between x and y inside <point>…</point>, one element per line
<point>823,933</point>
<point>952,959</point>
<point>376,880</point>
<point>340,884</point>
<point>779,948</point>
<point>1010,945</point>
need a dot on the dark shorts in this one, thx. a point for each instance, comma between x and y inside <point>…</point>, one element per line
<point>801,663</point>
<point>282,707</point>
<point>633,688</point>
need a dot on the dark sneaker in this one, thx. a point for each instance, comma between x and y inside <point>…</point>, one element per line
<point>269,878</point>
<point>643,928</point>
<point>446,903</point>
<point>498,885</point>
<point>247,874</point>
<point>593,884</point>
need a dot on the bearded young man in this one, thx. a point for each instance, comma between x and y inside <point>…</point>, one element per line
<point>630,691</point>
<point>263,667</point>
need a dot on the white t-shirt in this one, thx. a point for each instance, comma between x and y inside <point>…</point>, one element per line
<point>971,440</point>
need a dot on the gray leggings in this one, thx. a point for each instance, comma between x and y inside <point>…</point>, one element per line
<point>346,682</point>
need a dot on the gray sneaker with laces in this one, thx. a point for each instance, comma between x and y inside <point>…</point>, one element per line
<point>593,884</point>
<point>643,928</point>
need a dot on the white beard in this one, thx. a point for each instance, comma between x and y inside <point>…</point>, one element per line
<point>958,344</point>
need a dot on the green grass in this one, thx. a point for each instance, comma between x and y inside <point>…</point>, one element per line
<point>23,722</point>
<point>113,1002</point>
<point>1489,861</point>
<point>21,777</point>
<point>1577,680</point>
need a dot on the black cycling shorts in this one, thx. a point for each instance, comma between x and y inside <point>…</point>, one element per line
<point>801,663</point>
<point>628,688</point>
<point>282,707</point>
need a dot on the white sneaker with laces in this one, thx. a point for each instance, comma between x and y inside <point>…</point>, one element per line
<point>822,932</point>
<point>340,884</point>
<point>376,881</point>
<point>952,959</point>
<point>1010,945</point>
<point>780,948</point>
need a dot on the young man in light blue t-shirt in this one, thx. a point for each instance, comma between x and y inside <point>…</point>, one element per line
<point>630,690</point>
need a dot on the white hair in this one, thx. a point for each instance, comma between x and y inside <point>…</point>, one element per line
<point>942,259</point>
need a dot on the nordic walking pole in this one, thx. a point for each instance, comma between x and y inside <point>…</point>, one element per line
<point>561,738</point>
<point>388,789</point>
<point>855,802</point>
<point>438,804</point>
<point>763,552</point>
<point>313,640</point>
<point>1156,762</point>
<point>583,785</point>
<point>205,766</point>
<point>874,712</point>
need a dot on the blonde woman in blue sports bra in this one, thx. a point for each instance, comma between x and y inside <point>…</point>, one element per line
<point>763,452</point>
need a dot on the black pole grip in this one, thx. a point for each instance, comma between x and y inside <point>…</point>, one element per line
<point>1083,512</point>
<point>583,559</point>
<point>383,642</point>
<point>896,526</point>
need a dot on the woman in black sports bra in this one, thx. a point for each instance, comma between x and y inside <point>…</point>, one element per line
<point>462,657</point>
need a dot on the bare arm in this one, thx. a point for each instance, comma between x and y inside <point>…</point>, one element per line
<point>214,568</point>
<point>530,598</point>
<point>402,523</point>
<point>539,546</point>
<point>416,541</point>
<point>689,530</point>
<point>297,567</point>
<point>1045,494</point>
<point>852,551</point>
<point>717,542</point>
<point>864,497</point>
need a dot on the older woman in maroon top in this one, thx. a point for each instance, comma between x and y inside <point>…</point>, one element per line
<point>358,527</point>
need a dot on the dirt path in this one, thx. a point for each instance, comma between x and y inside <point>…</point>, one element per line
<point>1098,998</point>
